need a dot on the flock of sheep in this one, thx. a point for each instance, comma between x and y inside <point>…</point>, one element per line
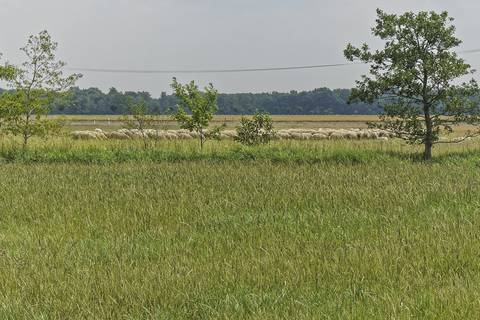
<point>295,134</point>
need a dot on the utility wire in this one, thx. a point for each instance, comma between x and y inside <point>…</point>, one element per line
<point>212,70</point>
<point>138,71</point>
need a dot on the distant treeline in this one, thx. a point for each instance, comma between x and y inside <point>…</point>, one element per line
<point>317,101</point>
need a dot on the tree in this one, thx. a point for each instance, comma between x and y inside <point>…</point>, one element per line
<point>7,71</point>
<point>140,119</point>
<point>317,101</point>
<point>201,107</point>
<point>37,83</point>
<point>255,131</point>
<point>414,78</point>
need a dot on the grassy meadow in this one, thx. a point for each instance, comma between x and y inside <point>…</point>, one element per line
<point>291,230</point>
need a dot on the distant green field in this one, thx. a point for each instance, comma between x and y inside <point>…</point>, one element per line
<point>292,230</point>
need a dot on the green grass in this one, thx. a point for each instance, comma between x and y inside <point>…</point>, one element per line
<point>66,150</point>
<point>293,230</point>
<point>110,152</point>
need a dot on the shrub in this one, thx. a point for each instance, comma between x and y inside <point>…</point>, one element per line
<point>139,118</point>
<point>255,131</point>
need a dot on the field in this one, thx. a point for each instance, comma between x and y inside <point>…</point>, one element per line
<point>89,122</point>
<point>291,230</point>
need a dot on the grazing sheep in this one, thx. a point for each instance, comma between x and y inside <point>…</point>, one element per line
<point>83,135</point>
<point>351,135</point>
<point>336,135</point>
<point>295,134</point>
<point>170,136</point>
<point>183,135</point>
<point>101,135</point>
<point>283,135</point>
<point>118,135</point>
<point>319,136</point>
<point>306,136</point>
<point>160,135</point>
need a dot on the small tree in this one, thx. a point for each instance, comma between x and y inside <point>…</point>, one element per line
<point>413,78</point>
<point>37,84</point>
<point>139,118</point>
<point>201,107</point>
<point>257,130</point>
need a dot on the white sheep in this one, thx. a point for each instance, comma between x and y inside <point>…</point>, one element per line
<point>118,135</point>
<point>336,135</point>
<point>84,135</point>
<point>294,133</point>
<point>319,136</point>
<point>183,135</point>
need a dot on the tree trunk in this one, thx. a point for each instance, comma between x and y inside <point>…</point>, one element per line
<point>145,143</point>
<point>427,153</point>
<point>25,141</point>
<point>145,139</point>
<point>202,139</point>
<point>428,141</point>
<point>26,130</point>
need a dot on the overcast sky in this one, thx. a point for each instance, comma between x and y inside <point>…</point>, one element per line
<point>213,34</point>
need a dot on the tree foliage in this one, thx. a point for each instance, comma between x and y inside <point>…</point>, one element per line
<point>257,130</point>
<point>416,78</point>
<point>195,109</point>
<point>7,71</point>
<point>36,84</point>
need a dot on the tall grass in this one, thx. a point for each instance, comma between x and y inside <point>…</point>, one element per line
<point>359,230</point>
<point>65,150</point>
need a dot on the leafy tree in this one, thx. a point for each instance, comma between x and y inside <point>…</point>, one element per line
<point>415,78</point>
<point>37,83</point>
<point>201,107</point>
<point>255,131</point>
<point>6,71</point>
<point>140,119</point>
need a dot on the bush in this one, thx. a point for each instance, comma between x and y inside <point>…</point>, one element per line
<point>255,131</point>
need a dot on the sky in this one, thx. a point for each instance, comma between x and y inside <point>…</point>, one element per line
<point>214,34</point>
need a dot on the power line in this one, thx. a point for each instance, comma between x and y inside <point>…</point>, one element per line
<point>138,71</point>
<point>212,70</point>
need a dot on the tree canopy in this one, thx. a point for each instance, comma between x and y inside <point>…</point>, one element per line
<point>317,101</point>
<point>36,84</point>
<point>416,78</point>
<point>195,109</point>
